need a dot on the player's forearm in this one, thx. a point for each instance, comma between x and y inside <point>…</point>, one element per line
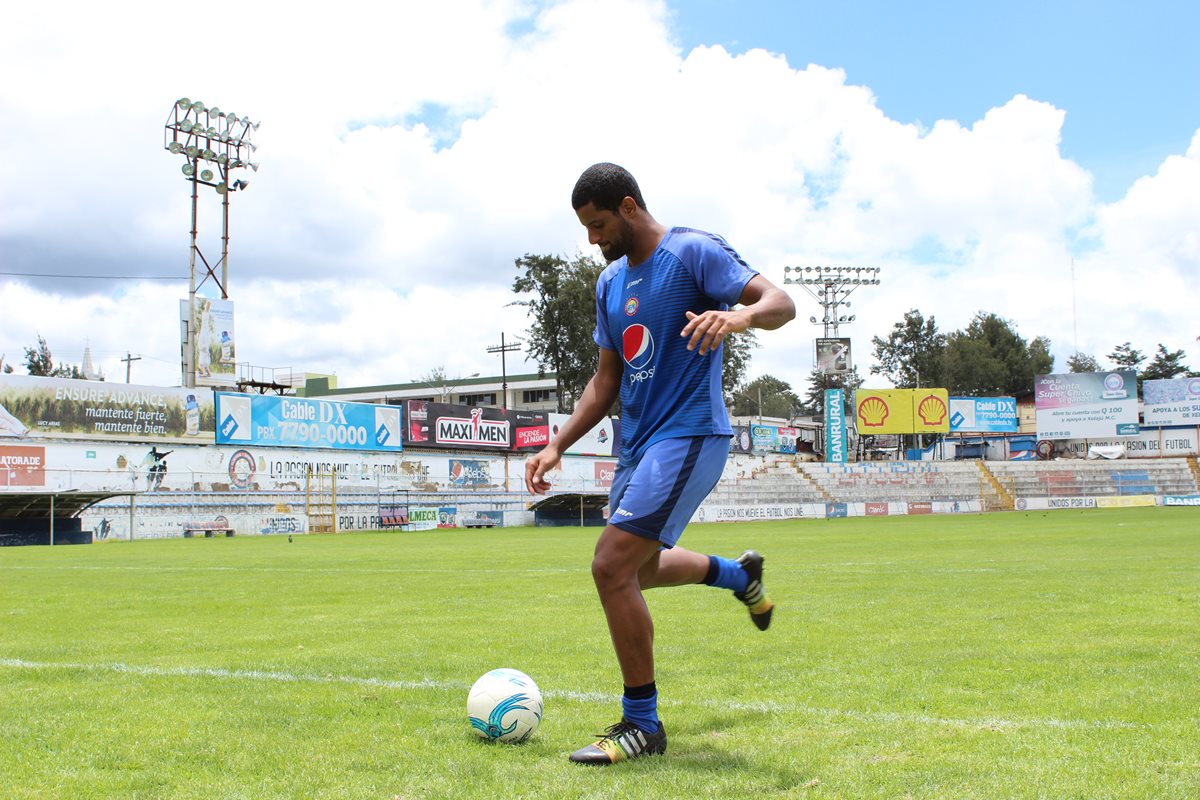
<point>772,310</point>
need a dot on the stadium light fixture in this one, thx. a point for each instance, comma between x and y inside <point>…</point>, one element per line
<point>221,140</point>
<point>831,286</point>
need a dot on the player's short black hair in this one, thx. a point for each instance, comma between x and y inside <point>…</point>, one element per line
<point>605,185</point>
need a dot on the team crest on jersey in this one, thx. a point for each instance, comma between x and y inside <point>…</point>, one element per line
<point>638,346</point>
<point>631,306</point>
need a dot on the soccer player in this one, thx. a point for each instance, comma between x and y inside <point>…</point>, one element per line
<point>663,309</point>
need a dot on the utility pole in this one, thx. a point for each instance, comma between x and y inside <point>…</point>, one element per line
<point>129,359</point>
<point>503,348</point>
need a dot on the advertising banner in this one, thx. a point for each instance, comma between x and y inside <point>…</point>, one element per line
<point>22,466</point>
<point>835,427</point>
<point>605,472</point>
<point>763,437</point>
<point>275,421</point>
<point>740,443</point>
<point>887,411</point>
<point>36,407</point>
<point>833,355</point>
<point>599,441</point>
<point>475,428</point>
<point>879,411</point>
<point>465,472</point>
<point>787,440</point>
<point>213,353</point>
<point>1171,402</point>
<point>983,414</point>
<point>1086,405</point>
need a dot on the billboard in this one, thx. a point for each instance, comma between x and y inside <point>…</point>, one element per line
<point>470,472</point>
<point>835,426</point>
<point>601,440</point>
<point>1086,405</point>
<point>213,352</point>
<point>277,421</point>
<point>833,355</point>
<point>983,414</point>
<point>22,466</point>
<point>884,411</point>
<point>474,428</point>
<point>37,407</point>
<point>1171,402</point>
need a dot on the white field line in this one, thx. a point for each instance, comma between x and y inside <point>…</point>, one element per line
<point>768,707</point>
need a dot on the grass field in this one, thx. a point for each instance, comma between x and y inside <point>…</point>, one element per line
<point>1020,655</point>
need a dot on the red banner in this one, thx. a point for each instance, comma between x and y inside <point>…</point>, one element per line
<point>22,466</point>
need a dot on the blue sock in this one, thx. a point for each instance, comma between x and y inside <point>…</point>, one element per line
<point>639,705</point>
<point>725,573</point>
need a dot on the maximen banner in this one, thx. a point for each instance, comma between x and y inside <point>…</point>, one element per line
<point>473,428</point>
<point>34,407</point>
<point>271,420</point>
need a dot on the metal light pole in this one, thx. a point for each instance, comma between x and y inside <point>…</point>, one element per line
<point>208,139</point>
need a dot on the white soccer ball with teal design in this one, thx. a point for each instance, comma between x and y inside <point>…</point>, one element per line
<point>505,705</point>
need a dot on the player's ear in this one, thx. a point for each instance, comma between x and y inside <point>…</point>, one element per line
<point>628,207</point>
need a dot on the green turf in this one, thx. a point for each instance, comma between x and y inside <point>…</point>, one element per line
<point>1020,655</point>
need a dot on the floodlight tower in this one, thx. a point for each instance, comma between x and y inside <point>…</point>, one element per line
<point>222,142</point>
<point>830,286</point>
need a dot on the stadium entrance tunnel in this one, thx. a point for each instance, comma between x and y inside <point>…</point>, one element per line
<point>46,517</point>
<point>580,510</point>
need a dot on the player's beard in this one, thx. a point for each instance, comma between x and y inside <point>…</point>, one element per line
<point>619,244</point>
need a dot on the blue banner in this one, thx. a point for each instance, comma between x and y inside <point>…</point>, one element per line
<point>983,414</point>
<point>835,426</point>
<point>275,421</point>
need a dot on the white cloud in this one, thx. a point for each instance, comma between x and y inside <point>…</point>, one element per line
<point>410,152</point>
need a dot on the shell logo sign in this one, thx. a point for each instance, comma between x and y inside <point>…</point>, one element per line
<point>902,411</point>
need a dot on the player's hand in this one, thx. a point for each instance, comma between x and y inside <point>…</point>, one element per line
<point>536,468</point>
<point>706,331</point>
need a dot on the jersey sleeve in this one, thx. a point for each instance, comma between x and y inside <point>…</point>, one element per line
<point>720,272</point>
<point>602,335</point>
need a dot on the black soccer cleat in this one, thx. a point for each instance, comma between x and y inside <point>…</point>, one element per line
<point>621,742</point>
<point>755,597</point>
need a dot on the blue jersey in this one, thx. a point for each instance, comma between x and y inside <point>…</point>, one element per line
<point>668,391</point>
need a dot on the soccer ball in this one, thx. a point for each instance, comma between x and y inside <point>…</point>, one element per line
<point>504,705</point>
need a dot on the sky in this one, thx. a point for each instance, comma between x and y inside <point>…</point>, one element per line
<point>1039,161</point>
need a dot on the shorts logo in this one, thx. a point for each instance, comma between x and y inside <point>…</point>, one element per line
<point>631,306</point>
<point>638,345</point>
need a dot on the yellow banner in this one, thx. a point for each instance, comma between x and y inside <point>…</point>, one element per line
<point>931,411</point>
<point>1125,501</point>
<point>902,411</point>
<point>883,411</point>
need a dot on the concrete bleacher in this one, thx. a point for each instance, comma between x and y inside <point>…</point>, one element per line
<point>1076,478</point>
<point>873,481</point>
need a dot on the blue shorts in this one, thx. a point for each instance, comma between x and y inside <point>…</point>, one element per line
<point>655,497</point>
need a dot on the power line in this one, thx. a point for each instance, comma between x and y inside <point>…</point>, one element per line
<point>96,277</point>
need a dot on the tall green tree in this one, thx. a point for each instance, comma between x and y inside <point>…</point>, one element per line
<point>39,361</point>
<point>765,396</point>
<point>1124,356</point>
<point>1165,365</point>
<point>912,354</point>
<point>990,358</point>
<point>818,382</point>
<point>561,298</point>
<point>1082,362</point>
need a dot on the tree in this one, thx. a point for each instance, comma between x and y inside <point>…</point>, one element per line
<point>990,358</point>
<point>39,361</point>
<point>766,396</point>
<point>818,382</point>
<point>5,368</point>
<point>735,359</point>
<point>912,354</point>
<point>1082,362</point>
<point>1165,365</point>
<point>1124,356</point>
<point>561,298</point>
<point>436,378</point>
